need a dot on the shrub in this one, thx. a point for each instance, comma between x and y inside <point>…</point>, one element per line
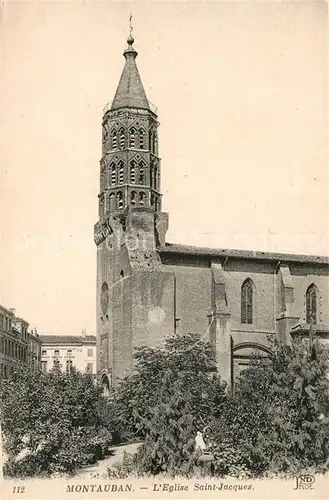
<point>169,437</point>
<point>58,418</point>
<point>184,359</point>
<point>277,418</point>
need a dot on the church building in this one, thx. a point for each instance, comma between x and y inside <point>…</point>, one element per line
<point>148,288</point>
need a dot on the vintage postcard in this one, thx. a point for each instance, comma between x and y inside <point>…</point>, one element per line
<point>164,292</point>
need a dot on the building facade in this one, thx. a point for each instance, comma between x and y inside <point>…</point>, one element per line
<point>16,342</point>
<point>148,288</point>
<point>68,352</point>
<point>35,345</point>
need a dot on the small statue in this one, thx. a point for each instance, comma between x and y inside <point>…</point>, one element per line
<point>201,448</point>
<point>200,445</point>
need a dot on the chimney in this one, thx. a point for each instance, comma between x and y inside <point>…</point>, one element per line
<point>83,333</point>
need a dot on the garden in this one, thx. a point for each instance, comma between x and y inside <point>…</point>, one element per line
<point>273,421</point>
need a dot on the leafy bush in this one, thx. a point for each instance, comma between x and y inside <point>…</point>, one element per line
<point>173,392</point>
<point>184,359</point>
<point>57,418</point>
<point>277,418</point>
<point>169,437</point>
<point>128,467</point>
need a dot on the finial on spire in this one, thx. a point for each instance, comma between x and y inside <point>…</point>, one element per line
<point>130,25</point>
<point>130,38</point>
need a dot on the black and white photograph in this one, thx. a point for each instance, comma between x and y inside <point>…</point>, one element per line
<point>164,291</point>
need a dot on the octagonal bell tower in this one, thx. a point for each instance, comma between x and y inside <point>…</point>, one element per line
<point>130,165</point>
<point>130,226</point>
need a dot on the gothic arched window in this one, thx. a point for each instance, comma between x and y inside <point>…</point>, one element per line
<point>114,139</point>
<point>141,139</point>
<point>151,175</point>
<point>112,201</point>
<point>133,198</point>
<point>247,291</point>
<point>102,178</point>
<point>121,172</point>
<point>133,172</point>
<point>141,173</point>
<point>311,304</point>
<point>154,142</point>
<point>105,132</point>
<point>141,198</point>
<point>132,138</point>
<point>113,174</point>
<point>102,204</point>
<point>122,138</point>
<point>119,200</point>
<point>155,178</point>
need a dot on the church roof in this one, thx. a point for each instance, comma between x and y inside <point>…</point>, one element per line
<point>172,248</point>
<point>130,91</point>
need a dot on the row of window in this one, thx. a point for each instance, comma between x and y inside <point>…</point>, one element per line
<point>135,139</point>
<point>5,322</point>
<point>68,366</point>
<point>116,201</point>
<point>6,371</point>
<point>136,174</point>
<point>247,303</point>
<point>13,349</point>
<point>90,352</point>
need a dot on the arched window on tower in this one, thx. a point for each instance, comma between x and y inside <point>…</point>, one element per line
<point>141,173</point>
<point>112,202</point>
<point>132,138</point>
<point>133,171</point>
<point>113,174</point>
<point>154,142</point>
<point>114,139</point>
<point>102,178</point>
<point>151,141</point>
<point>102,204</point>
<point>133,198</point>
<point>105,132</point>
<point>142,198</point>
<point>311,305</point>
<point>122,138</point>
<point>151,175</point>
<point>141,138</point>
<point>120,172</point>
<point>155,176</point>
<point>247,291</point>
<point>119,200</point>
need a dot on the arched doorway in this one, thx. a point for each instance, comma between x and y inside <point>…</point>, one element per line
<point>105,385</point>
<point>242,355</point>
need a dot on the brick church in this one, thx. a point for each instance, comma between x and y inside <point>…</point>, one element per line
<point>148,288</point>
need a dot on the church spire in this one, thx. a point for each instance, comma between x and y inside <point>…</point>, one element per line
<point>130,165</point>
<point>130,92</point>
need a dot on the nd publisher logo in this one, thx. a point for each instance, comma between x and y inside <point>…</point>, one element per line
<point>305,482</point>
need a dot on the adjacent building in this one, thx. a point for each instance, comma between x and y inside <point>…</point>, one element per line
<point>35,346</point>
<point>68,352</point>
<point>16,342</point>
<point>148,288</point>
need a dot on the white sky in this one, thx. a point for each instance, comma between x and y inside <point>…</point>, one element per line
<point>241,91</point>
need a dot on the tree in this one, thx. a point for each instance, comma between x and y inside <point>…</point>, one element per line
<point>58,418</point>
<point>170,430</point>
<point>277,418</point>
<point>184,363</point>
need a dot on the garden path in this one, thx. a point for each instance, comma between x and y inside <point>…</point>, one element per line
<point>114,458</point>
